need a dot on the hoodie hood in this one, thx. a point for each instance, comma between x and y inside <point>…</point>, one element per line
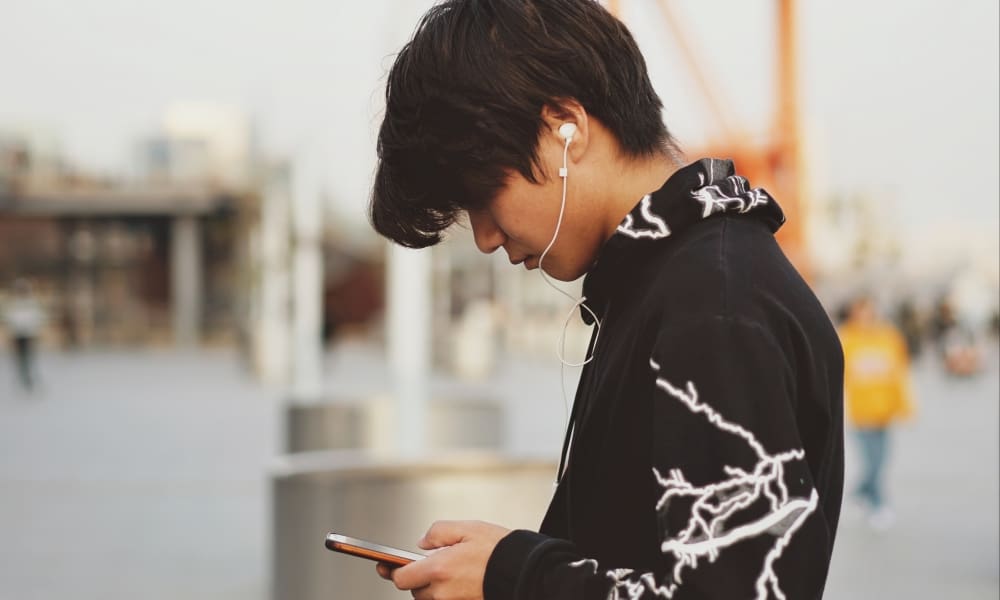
<point>701,190</point>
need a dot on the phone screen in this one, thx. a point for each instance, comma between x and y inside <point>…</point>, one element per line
<point>370,550</point>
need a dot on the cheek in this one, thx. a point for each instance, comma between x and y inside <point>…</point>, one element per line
<point>527,213</point>
<point>530,231</point>
<point>514,218</point>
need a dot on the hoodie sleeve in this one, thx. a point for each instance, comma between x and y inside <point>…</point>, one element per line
<point>738,514</point>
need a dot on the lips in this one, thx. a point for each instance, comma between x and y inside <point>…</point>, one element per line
<point>530,261</point>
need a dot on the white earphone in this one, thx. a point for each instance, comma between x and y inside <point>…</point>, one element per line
<point>567,131</point>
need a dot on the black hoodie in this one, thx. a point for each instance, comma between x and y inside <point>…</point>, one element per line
<point>707,433</point>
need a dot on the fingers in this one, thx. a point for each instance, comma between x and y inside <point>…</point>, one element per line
<point>415,575</point>
<point>423,594</point>
<point>445,533</point>
<point>457,554</point>
<point>419,574</point>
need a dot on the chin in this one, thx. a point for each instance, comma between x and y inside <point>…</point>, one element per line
<point>565,274</point>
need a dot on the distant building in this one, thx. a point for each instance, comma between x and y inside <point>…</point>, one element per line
<point>127,266</point>
<point>128,263</point>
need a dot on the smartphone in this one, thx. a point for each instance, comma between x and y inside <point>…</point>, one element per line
<point>370,550</point>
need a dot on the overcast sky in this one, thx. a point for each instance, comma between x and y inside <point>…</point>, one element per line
<point>900,97</point>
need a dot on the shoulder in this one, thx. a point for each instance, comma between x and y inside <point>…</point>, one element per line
<point>731,268</point>
<point>725,266</point>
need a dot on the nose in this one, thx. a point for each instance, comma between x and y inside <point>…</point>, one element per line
<point>486,232</point>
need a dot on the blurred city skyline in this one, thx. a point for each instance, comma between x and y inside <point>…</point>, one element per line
<point>899,100</point>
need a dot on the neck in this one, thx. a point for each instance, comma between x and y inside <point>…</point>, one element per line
<point>631,179</point>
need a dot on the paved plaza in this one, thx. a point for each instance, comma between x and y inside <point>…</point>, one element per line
<point>143,475</point>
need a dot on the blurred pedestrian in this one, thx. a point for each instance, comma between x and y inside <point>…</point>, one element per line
<point>877,390</point>
<point>955,340</point>
<point>941,323</point>
<point>24,318</point>
<point>910,326</point>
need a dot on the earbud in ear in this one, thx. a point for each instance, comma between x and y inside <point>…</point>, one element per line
<point>567,131</point>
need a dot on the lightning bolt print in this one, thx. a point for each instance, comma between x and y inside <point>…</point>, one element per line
<point>712,509</point>
<point>657,226</point>
<point>731,194</point>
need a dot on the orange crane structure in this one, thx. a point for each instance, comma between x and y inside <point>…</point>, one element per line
<point>776,163</point>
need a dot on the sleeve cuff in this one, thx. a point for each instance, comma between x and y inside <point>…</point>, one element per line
<point>509,561</point>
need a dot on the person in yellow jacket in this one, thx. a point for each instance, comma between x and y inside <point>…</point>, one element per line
<point>877,392</point>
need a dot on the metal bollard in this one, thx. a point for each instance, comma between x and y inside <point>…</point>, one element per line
<point>476,423</point>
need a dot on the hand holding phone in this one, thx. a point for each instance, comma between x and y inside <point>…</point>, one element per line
<point>370,550</point>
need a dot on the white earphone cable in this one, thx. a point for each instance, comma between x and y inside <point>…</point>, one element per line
<point>577,303</point>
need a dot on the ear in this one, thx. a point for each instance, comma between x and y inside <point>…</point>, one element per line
<point>559,112</point>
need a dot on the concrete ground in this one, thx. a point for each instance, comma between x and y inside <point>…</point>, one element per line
<point>944,472</point>
<point>143,475</point>
<point>134,475</point>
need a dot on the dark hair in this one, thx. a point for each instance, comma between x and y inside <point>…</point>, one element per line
<point>464,99</point>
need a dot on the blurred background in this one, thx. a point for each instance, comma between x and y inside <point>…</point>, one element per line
<point>209,361</point>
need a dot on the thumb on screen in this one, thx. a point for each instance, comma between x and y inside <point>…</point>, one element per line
<point>443,533</point>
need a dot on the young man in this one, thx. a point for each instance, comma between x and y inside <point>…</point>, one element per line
<point>707,445</point>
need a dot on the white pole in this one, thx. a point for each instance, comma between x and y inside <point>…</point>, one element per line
<point>307,293</point>
<point>271,344</point>
<point>409,340</point>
